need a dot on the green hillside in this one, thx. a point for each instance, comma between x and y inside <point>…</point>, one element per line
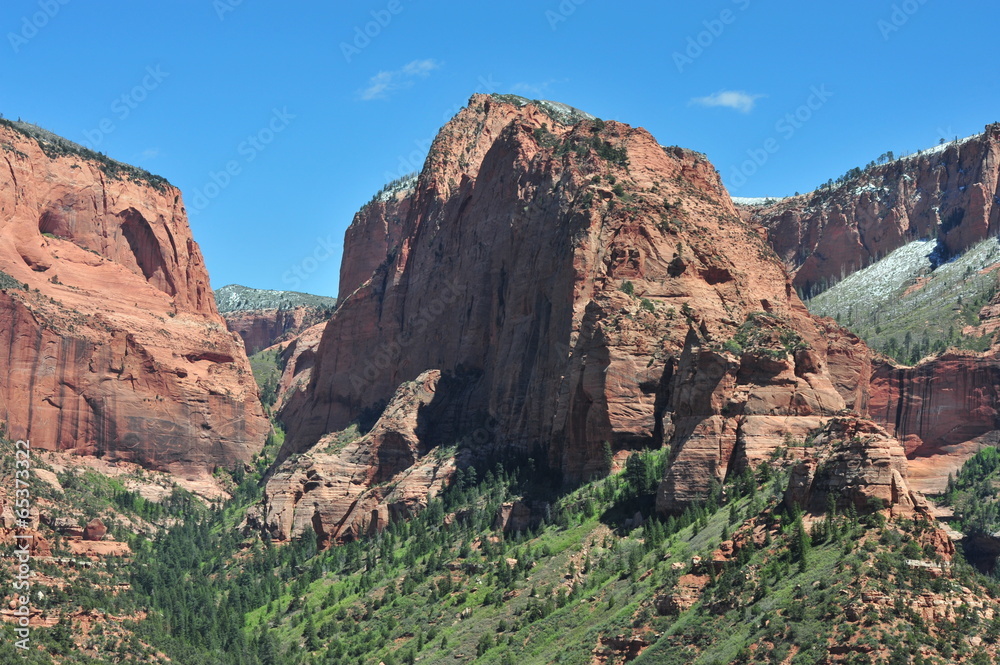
<point>908,305</point>
<point>584,585</point>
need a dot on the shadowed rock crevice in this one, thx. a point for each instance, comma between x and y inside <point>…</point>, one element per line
<point>146,250</point>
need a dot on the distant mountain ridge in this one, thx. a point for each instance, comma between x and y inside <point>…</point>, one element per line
<point>237,298</point>
<point>948,193</point>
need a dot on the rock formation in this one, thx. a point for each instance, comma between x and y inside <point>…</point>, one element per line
<point>114,345</point>
<point>298,358</point>
<point>348,487</point>
<point>944,410</point>
<point>264,317</point>
<point>261,328</point>
<point>95,530</point>
<point>592,289</point>
<point>858,464</point>
<point>949,193</point>
<point>376,231</point>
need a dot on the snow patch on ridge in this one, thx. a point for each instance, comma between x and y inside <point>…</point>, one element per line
<point>938,149</point>
<point>757,200</point>
<point>912,284</point>
<point>395,187</point>
<point>883,278</point>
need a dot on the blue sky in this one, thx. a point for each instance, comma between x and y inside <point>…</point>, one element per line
<point>278,121</point>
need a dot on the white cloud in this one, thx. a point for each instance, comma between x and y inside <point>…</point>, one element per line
<point>384,83</point>
<point>536,90</point>
<point>732,99</point>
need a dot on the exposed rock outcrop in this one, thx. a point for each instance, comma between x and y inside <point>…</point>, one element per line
<point>345,488</point>
<point>114,348</point>
<point>375,234</point>
<point>95,530</point>
<point>298,359</point>
<point>857,463</point>
<point>261,328</point>
<point>519,516</point>
<point>943,410</point>
<point>950,193</point>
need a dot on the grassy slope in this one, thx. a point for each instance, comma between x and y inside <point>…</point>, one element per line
<point>875,305</point>
<point>267,366</point>
<point>429,593</point>
<point>424,593</point>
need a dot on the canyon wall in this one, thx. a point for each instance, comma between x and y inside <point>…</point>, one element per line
<point>261,328</point>
<point>113,343</point>
<point>944,410</point>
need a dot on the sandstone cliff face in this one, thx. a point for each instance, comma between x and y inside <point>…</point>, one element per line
<point>115,349</point>
<point>341,490</point>
<point>943,411</point>
<point>298,358</point>
<point>262,328</point>
<point>374,234</point>
<point>950,194</point>
<point>585,282</point>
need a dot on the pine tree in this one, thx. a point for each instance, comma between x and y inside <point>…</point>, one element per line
<point>636,474</point>
<point>800,544</point>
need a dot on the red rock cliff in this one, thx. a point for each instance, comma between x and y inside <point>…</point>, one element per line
<point>943,411</point>
<point>950,193</point>
<point>261,328</point>
<point>583,282</point>
<point>374,234</point>
<point>115,348</point>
